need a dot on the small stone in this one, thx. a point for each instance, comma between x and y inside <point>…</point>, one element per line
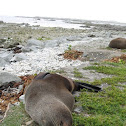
<point>22,99</point>
<point>20,87</point>
<point>78,109</point>
<point>1,117</point>
<point>29,122</point>
<point>91,59</point>
<point>16,103</point>
<point>85,55</point>
<point>19,57</point>
<point>5,78</point>
<point>76,94</point>
<point>2,40</point>
<point>3,62</point>
<point>91,35</point>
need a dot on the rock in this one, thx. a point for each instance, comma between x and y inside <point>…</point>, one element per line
<point>85,55</point>
<point>18,57</point>
<point>91,59</point>
<point>10,44</point>
<point>34,42</point>
<point>17,50</point>
<point>1,117</point>
<point>7,56</point>
<point>76,94</point>
<point>16,103</point>
<point>26,49</point>
<point>55,43</point>
<point>5,78</point>
<point>105,85</point>
<point>91,35</point>
<point>78,109</point>
<point>119,43</point>
<point>2,40</point>
<point>22,99</point>
<point>52,43</point>
<point>20,87</point>
<point>3,62</point>
<point>29,123</point>
<point>74,38</point>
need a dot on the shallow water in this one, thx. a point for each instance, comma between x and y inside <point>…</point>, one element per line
<point>55,22</point>
<point>45,22</point>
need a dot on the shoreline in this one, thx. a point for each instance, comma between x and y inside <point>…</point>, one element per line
<point>92,41</point>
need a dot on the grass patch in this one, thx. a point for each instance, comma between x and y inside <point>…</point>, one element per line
<point>109,48</point>
<point>43,38</point>
<point>77,73</point>
<point>105,108</point>
<point>17,116</point>
<point>123,50</point>
<point>108,70</point>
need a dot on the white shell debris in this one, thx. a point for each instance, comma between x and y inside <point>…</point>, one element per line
<point>41,60</point>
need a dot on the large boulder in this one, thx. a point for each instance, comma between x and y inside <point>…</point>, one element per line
<point>34,42</point>
<point>33,45</point>
<point>6,55</point>
<point>3,62</point>
<point>19,57</point>
<point>119,43</point>
<point>5,78</point>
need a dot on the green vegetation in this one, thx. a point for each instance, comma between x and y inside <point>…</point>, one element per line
<point>109,48</point>
<point>77,73</point>
<point>69,47</point>
<point>123,50</point>
<point>43,38</point>
<point>16,116</point>
<point>105,108</point>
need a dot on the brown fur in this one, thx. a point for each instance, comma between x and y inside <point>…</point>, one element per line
<point>49,100</point>
<point>119,43</point>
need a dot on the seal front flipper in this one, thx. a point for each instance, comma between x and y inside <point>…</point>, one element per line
<point>81,85</point>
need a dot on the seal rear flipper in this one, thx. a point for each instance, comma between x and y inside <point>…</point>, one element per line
<point>81,85</point>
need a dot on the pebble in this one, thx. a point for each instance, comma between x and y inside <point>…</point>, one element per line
<point>1,117</point>
<point>20,87</point>
<point>22,99</point>
<point>78,109</point>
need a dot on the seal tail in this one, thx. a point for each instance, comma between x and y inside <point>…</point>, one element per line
<point>81,85</point>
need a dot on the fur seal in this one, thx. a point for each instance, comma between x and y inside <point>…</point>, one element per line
<point>49,101</point>
<point>119,43</point>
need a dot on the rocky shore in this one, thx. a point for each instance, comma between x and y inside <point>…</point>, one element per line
<point>29,50</point>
